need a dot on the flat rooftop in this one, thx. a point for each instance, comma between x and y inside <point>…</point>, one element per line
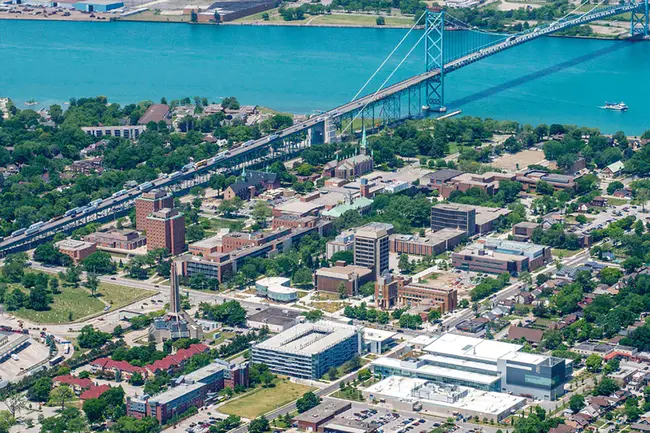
<point>211,242</point>
<point>176,392</point>
<point>309,338</point>
<point>486,214</point>
<point>374,230</point>
<point>455,207</point>
<point>464,346</point>
<point>323,411</point>
<point>71,244</point>
<point>343,271</point>
<point>434,238</point>
<point>494,403</point>
<point>437,371</point>
<point>274,316</point>
<point>372,334</point>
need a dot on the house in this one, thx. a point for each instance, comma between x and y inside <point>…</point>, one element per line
<point>251,183</point>
<point>172,362</point>
<point>533,336</point>
<point>599,201</point>
<point>562,428</point>
<point>95,392</point>
<point>623,193</point>
<point>525,298</point>
<point>77,384</point>
<point>111,368</point>
<point>614,169</point>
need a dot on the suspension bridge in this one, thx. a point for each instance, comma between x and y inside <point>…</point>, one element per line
<point>389,104</point>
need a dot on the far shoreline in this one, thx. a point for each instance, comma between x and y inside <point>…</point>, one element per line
<point>262,24</point>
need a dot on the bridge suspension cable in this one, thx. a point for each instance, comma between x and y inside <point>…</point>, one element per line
<point>388,58</point>
<point>371,99</point>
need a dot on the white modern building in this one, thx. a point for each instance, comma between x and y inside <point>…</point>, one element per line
<point>412,394</point>
<point>377,340</point>
<point>483,364</point>
<point>276,289</point>
<point>308,350</point>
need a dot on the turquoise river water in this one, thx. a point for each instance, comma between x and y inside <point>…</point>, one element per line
<point>551,80</point>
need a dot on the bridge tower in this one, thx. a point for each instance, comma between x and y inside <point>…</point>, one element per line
<point>434,60</point>
<point>639,20</point>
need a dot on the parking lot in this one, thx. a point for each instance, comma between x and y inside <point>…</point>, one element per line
<point>389,421</point>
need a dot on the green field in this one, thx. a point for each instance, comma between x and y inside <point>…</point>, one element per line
<point>564,253</point>
<point>263,400</point>
<point>222,223</point>
<point>119,296</point>
<point>74,303</point>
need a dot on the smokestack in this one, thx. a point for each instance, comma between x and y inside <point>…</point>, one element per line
<point>174,294</point>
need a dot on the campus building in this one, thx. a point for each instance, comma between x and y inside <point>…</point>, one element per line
<point>413,394</point>
<point>76,250</point>
<point>191,390</point>
<point>453,216</point>
<point>251,183</point>
<point>485,365</point>
<point>308,350</point>
<point>431,244</point>
<point>442,298</point>
<point>371,247</point>
<point>499,256</point>
<point>148,203</point>
<point>351,277</point>
<point>166,229</point>
<point>117,239</point>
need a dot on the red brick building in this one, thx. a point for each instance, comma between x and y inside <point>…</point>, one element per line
<point>166,229</point>
<point>148,203</point>
<point>76,250</point>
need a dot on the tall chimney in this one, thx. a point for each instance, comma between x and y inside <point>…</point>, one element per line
<point>174,294</point>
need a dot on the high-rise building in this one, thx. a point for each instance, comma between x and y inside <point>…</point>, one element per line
<point>453,216</point>
<point>166,229</point>
<point>371,247</point>
<point>148,203</point>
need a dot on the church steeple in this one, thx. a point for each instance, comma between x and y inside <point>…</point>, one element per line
<point>364,142</point>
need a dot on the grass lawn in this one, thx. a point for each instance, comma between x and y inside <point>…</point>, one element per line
<point>563,252</point>
<point>74,303</point>
<point>219,223</point>
<point>263,400</point>
<point>361,20</point>
<point>119,296</point>
<point>617,201</point>
<point>329,307</point>
<point>71,302</point>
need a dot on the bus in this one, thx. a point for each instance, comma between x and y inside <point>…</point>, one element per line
<point>56,360</point>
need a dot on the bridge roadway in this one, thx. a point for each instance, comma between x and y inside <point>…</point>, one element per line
<point>358,104</point>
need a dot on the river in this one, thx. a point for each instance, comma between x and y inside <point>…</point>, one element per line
<point>301,69</point>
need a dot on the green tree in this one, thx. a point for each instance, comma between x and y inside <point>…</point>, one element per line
<point>62,394</point>
<point>92,283</point>
<point>576,402</point>
<point>100,263</point>
<point>307,401</point>
<point>594,363</point>
<point>94,409</point>
<point>314,315</point>
<point>343,291</point>
<point>380,21</point>
<point>261,212</point>
<point>40,390</point>
<point>259,425</point>
<point>610,276</point>
<point>606,386</point>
